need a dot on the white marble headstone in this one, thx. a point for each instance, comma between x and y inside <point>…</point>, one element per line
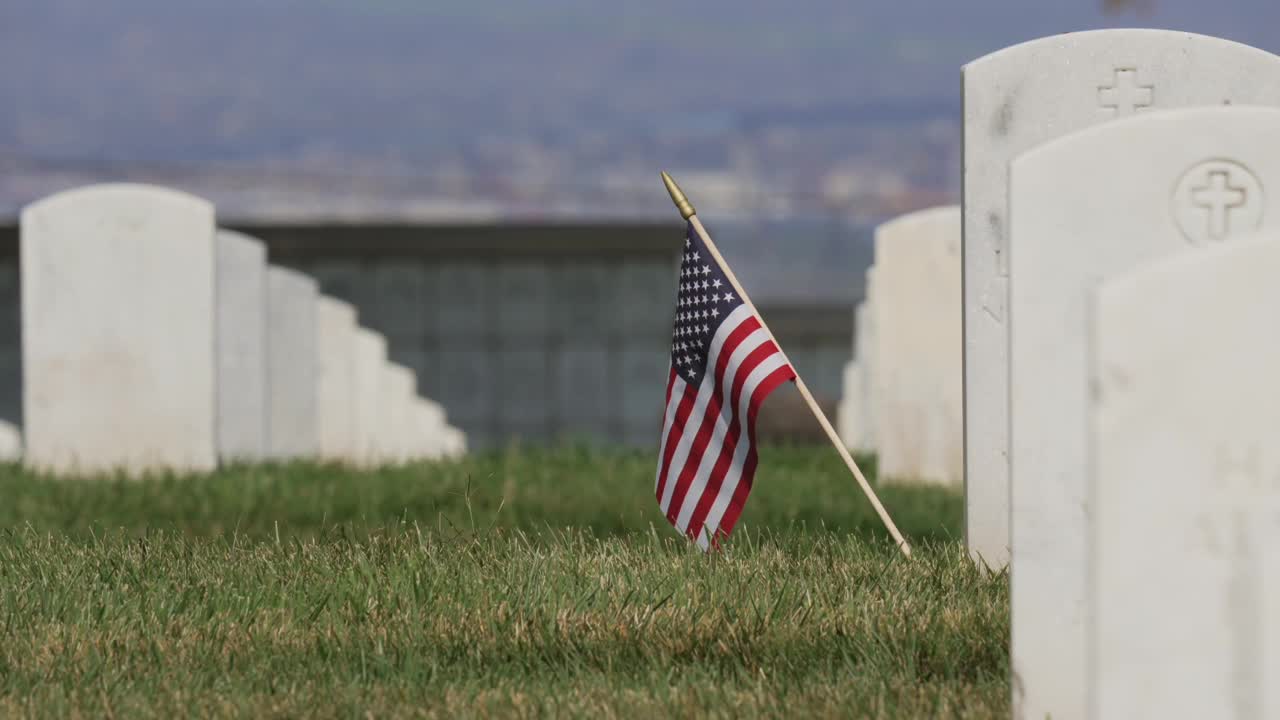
<point>865,352</point>
<point>850,413</point>
<point>291,326</point>
<point>1185,489</point>
<point>10,442</point>
<point>335,379</point>
<point>1096,203</point>
<point>919,425</point>
<point>1016,99</point>
<point>455,442</point>
<point>370,358</point>
<point>118,330</point>
<point>396,392</point>
<point>430,424</point>
<point>242,347</point>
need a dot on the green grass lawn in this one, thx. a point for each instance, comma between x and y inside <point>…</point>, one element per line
<point>522,583</point>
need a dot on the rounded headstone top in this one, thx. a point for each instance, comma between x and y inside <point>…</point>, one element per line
<point>117,193</point>
<point>1211,163</point>
<point>294,278</point>
<point>372,337</point>
<point>1255,252</point>
<point>1213,121</point>
<point>920,227</point>
<point>432,409</point>
<point>940,214</point>
<point>239,238</point>
<point>341,309</point>
<point>403,377</point>
<point>1116,40</point>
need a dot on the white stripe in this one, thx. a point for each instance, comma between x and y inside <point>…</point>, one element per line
<point>705,388</point>
<point>734,474</point>
<point>712,454</point>
<point>673,404</point>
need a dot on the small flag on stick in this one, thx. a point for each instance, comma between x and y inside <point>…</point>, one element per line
<point>724,363</point>
<point>723,366</point>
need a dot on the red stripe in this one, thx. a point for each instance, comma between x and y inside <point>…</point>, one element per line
<point>696,450</point>
<point>713,414</point>
<point>731,343</point>
<point>713,410</point>
<point>718,473</point>
<point>732,435</point>
<point>734,509</point>
<point>749,364</point>
<point>673,437</point>
<point>666,403</point>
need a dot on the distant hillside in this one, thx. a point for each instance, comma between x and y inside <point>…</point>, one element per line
<point>841,110</point>
<point>408,81</point>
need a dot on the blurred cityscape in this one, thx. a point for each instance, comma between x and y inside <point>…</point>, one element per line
<point>796,130</point>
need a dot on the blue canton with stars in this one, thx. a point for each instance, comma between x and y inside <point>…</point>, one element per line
<point>706,297</point>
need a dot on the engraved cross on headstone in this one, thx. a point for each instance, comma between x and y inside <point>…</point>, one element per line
<point>1219,197</point>
<point>1125,96</point>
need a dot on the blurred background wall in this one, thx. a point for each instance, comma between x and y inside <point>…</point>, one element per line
<point>431,161</point>
<point>531,332</point>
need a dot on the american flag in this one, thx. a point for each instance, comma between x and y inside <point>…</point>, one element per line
<point>723,365</point>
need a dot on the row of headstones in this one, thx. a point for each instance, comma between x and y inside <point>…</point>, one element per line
<point>1119,352</point>
<point>902,391</point>
<point>153,340</point>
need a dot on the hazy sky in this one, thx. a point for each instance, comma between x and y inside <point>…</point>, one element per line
<point>247,77</point>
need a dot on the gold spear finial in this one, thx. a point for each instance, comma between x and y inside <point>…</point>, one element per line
<point>677,196</point>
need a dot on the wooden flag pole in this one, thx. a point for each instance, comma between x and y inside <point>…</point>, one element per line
<point>687,211</point>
